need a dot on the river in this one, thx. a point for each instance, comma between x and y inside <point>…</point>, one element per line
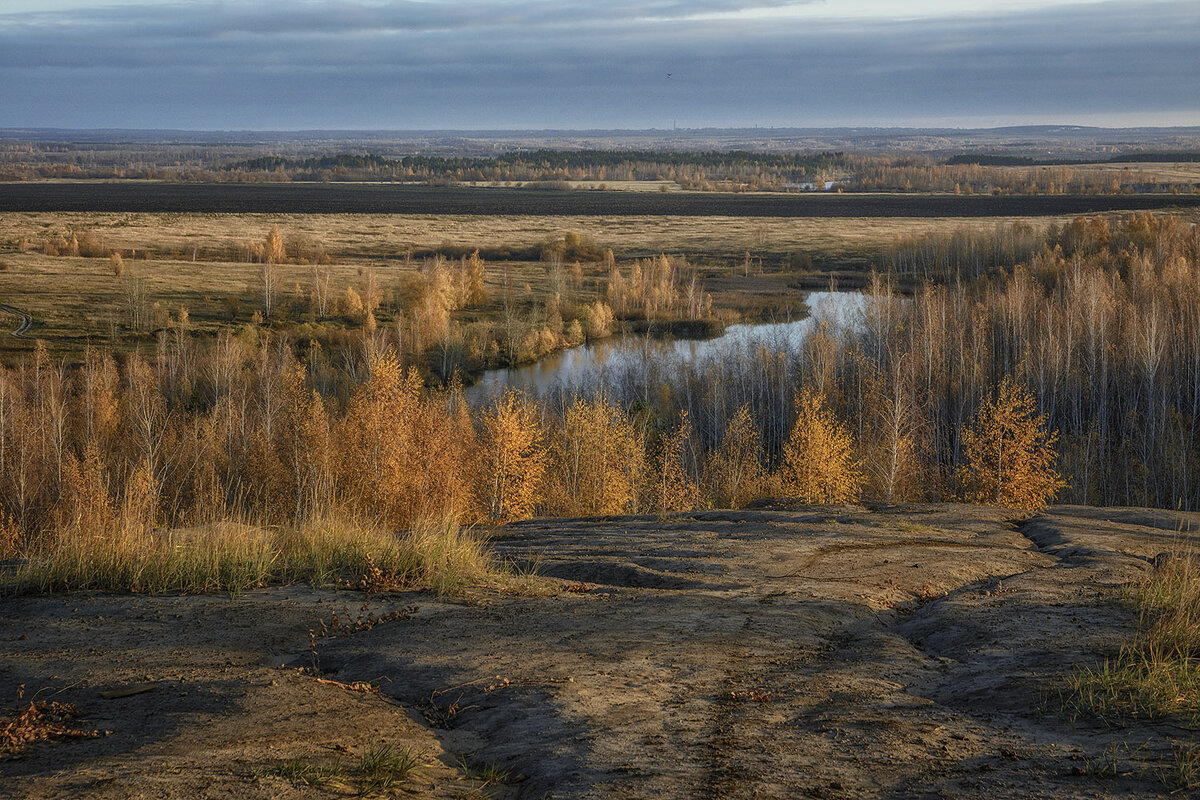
<point>621,354</point>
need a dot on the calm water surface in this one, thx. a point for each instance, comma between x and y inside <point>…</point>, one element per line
<point>624,354</point>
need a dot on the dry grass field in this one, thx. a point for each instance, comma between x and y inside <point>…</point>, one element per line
<point>1160,172</point>
<point>354,236</point>
<point>191,260</point>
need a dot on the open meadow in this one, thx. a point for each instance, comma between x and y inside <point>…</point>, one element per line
<point>755,267</point>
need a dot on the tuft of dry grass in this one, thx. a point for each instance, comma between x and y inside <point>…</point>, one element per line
<point>233,557</point>
<point>1158,674</point>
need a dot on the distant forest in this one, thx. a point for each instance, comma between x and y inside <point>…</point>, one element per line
<point>713,170</point>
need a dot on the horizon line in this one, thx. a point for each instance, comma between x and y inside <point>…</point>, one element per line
<point>1064,126</point>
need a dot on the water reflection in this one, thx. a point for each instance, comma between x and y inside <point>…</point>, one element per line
<point>625,355</point>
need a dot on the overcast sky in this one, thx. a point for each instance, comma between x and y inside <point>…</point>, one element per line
<point>473,64</point>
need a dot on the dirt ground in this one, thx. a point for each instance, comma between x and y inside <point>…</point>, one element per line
<point>770,653</point>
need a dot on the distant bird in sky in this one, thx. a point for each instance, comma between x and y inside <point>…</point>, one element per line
<point>668,74</point>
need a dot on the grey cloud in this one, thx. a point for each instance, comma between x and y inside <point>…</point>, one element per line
<point>535,64</point>
<point>207,20</point>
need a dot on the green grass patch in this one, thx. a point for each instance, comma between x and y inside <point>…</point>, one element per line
<point>309,772</point>
<point>380,767</point>
<point>1158,674</point>
<point>487,773</point>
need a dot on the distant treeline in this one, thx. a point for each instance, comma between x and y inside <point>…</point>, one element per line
<point>734,169</point>
<point>553,160</point>
<point>713,170</point>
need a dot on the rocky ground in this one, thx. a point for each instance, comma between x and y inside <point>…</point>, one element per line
<point>771,653</point>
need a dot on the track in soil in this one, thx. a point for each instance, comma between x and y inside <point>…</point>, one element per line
<point>25,321</point>
<point>399,199</point>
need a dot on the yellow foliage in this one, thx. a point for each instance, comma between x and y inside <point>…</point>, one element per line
<point>598,320</point>
<point>352,303</point>
<point>273,249</point>
<point>819,465</point>
<point>512,459</point>
<point>475,294</point>
<point>139,506</point>
<point>83,506</point>
<point>673,488</point>
<point>404,456</point>
<point>734,471</point>
<point>377,448</point>
<point>304,446</point>
<point>99,410</point>
<point>597,461</point>
<point>10,535</point>
<point>1010,457</point>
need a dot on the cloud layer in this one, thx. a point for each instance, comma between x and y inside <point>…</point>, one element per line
<point>534,64</point>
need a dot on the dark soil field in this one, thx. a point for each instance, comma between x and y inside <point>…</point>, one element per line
<point>778,652</point>
<point>398,199</point>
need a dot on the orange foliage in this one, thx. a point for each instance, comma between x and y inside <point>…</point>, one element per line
<point>819,465</point>
<point>404,456</point>
<point>512,459</point>
<point>673,488</point>
<point>734,471</point>
<point>1010,455</point>
<point>597,461</point>
<point>83,505</point>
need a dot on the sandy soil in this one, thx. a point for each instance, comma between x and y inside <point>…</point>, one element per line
<point>770,653</point>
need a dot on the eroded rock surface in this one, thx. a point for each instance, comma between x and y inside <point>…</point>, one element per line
<point>772,652</point>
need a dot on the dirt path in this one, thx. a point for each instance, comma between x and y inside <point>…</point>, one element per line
<point>768,653</point>
<point>26,321</point>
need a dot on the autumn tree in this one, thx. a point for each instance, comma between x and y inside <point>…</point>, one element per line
<point>894,424</point>
<point>273,249</point>
<point>673,487</point>
<point>819,465</point>
<point>377,451</point>
<point>268,284</point>
<point>274,254</point>
<point>475,293</point>
<point>97,409</point>
<point>304,446</point>
<point>1010,456</point>
<point>596,461</point>
<point>512,459</point>
<point>321,290</point>
<point>598,320</point>
<point>84,507</point>
<point>734,471</point>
